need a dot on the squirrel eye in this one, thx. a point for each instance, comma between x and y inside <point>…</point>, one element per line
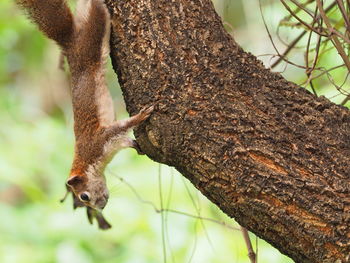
<point>85,197</point>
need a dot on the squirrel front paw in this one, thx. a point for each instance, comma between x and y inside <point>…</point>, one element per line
<point>145,112</point>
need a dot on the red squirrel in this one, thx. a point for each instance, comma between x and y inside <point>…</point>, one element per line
<point>84,40</point>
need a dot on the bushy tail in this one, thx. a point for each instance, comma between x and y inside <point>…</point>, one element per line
<point>83,39</point>
<point>53,18</point>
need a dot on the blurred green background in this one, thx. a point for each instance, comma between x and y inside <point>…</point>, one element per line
<point>36,148</point>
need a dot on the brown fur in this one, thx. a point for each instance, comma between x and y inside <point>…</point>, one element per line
<point>57,23</point>
<point>86,52</point>
<point>84,41</point>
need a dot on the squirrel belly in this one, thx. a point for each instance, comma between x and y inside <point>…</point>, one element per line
<point>84,40</point>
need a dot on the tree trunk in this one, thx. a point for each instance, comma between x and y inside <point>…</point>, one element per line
<point>267,152</point>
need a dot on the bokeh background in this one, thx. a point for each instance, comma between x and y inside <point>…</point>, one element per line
<point>36,148</point>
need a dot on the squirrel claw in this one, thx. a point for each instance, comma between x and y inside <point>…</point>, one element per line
<point>146,112</point>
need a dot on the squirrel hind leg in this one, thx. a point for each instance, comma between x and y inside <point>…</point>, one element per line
<point>53,18</point>
<point>82,12</point>
<point>92,41</point>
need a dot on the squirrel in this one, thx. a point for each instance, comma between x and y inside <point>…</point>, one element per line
<point>84,41</point>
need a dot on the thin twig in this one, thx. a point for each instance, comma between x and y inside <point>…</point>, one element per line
<point>197,208</point>
<point>309,71</point>
<point>157,210</point>
<point>344,14</point>
<point>162,214</point>
<point>195,243</point>
<point>222,223</point>
<point>334,31</point>
<point>298,38</point>
<point>272,42</point>
<point>334,38</point>
<point>301,21</point>
<point>289,48</point>
<point>345,100</point>
<point>170,192</point>
<point>256,248</point>
<point>324,71</point>
<point>251,253</point>
<point>302,7</point>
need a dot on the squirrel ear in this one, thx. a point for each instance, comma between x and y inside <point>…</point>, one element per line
<point>74,180</point>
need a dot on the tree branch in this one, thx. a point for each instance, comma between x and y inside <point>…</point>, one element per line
<point>268,153</point>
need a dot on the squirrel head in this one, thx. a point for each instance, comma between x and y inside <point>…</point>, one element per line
<point>89,187</point>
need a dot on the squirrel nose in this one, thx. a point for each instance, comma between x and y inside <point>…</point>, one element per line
<point>101,203</point>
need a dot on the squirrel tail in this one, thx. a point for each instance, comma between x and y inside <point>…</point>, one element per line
<point>84,38</point>
<point>53,18</point>
<point>91,44</point>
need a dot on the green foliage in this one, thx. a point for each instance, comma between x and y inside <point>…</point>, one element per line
<point>21,46</point>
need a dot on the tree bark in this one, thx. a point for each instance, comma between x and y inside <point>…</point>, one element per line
<point>267,152</point>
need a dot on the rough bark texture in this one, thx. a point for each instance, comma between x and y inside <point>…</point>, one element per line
<point>268,153</point>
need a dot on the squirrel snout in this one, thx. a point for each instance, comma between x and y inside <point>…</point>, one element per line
<point>102,201</point>
<point>101,204</point>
